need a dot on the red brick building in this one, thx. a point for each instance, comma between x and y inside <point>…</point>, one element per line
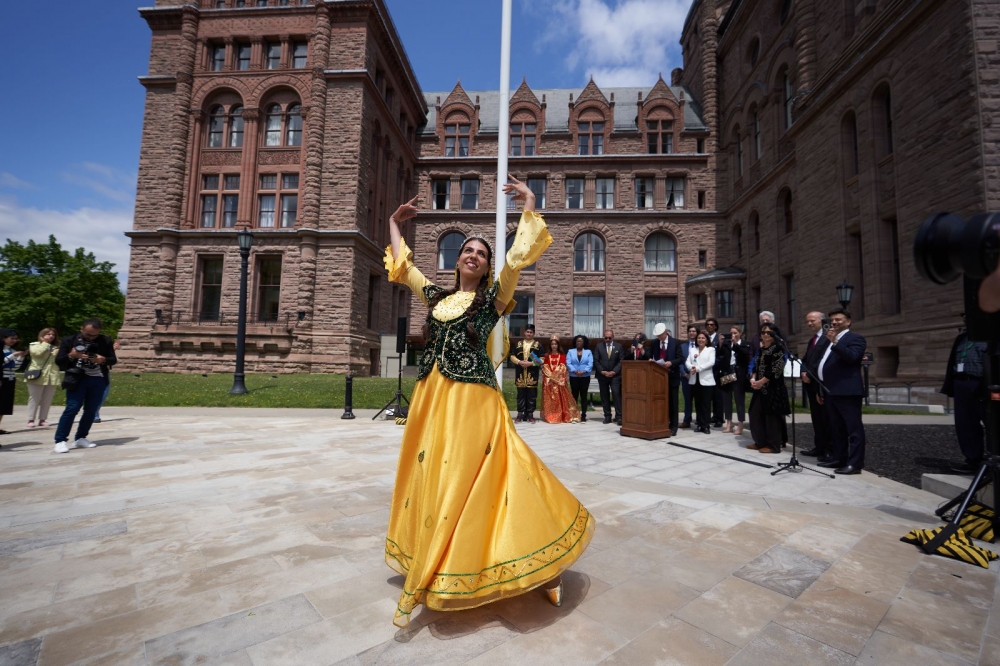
<point>801,144</point>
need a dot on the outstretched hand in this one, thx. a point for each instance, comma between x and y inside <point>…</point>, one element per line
<point>405,212</point>
<point>520,191</point>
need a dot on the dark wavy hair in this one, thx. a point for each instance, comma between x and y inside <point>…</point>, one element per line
<point>477,303</point>
<point>586,341</point>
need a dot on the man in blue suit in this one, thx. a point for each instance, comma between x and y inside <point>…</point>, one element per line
<point>840,371</point>
<point>666,351</point>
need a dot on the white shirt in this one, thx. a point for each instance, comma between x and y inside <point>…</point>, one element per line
<point>826,354</point>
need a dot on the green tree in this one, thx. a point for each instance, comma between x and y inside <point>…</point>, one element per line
<point>45,285</point>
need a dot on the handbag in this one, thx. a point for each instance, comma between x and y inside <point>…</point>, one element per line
<point>727,379</point>
<point>35,374</point>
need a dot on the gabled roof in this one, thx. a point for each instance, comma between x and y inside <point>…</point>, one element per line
<point>557,107</point>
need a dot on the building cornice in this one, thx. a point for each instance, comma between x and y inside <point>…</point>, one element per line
<point>158,81</point>
<point>322,236</point>
<point>537,161</point>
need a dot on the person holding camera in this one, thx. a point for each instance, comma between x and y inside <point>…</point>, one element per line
<point>8,381</point>
<point>86,357</point>
<point>840,372</point>
<point>42,377</point>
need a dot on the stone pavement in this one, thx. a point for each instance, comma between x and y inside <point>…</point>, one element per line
<point>254,537</point>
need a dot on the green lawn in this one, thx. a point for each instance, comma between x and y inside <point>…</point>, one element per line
<point>155,389</point>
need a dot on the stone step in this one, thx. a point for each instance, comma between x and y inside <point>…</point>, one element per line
<point>949,485</point>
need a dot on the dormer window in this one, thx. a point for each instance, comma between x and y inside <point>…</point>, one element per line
<point>659,136</point>
<point>590,137</point>
<point>522,139</point>
<point>456,136</point>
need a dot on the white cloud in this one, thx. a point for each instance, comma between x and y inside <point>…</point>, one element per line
<point>100,231</point>
<point>618,42</point>
<point>109,182</point>
<point>13,182</point>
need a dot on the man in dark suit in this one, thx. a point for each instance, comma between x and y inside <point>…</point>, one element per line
<point>815,350</point>
<point>840,371</point>
<point>608,369</point>
<point>965,382</point>
<point>715,340</point>
<point>666,351</point>
<point>685,347</point>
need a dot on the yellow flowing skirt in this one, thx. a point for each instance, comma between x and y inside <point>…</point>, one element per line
<point>475,515</point>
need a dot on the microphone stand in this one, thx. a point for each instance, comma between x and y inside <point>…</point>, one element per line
<point>794,465</point>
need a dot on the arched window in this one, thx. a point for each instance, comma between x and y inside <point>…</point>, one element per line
<point>882,118</point>
<point>236,127</point>
<point>588,253</point>
<point>849,144</point>
<point>755,230</point>
<point>522,134</point>
<point>456,135</point>
<point>293,129</point>
<point>661,253</point>
<point>738,241</point>
<point>216,126</point>
<point>510,241</point>
<point>739,150</point>
<point>448,248</point>
<point>785,203</point>
<point>787,98</point>
<point>755,118</point>
<point>272,126</point>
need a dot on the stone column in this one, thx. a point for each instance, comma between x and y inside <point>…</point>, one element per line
<point>194,169</point>
<point>805,40</point>
<point>256,52</point>
<point>315,129</point>
<point>168,271</point>
<point>709,67</point>
<point>248,167</point>
<point>180,123</point>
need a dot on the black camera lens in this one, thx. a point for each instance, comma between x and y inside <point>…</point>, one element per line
<point>948,246</point>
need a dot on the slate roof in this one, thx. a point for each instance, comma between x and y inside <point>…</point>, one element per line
<point>557,108</point>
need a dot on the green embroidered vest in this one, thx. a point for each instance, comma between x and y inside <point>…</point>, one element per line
<point>448,343</point>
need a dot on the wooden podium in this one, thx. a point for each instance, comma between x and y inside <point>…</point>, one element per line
<point>645,392</point>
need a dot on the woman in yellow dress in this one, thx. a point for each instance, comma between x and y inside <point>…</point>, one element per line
<point>475,515</point>
<point>558,406</point>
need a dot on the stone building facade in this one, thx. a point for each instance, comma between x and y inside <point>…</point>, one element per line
<point>801,144</point>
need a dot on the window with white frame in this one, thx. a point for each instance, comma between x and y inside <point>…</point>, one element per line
<point>456,136</point>
<point>660,253</point>
<point>574,193</point>
<point>440,194</point>
<point>588,316</point>
<point>470,193</point>
<point>643,192</point>
<point>300,53</point>
<point>522,315</point>
<point>588,253</point>
<point>216,126</point>
<point>660,310</point>
<point>605,199</point>
<point>448,248</point>
<point>522,139</point>
<point>675,193</point>
<point>590,136</point>
<point>537,186</point>
<point>236,127</point>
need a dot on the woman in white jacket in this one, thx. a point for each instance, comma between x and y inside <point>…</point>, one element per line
<point>700,361</point>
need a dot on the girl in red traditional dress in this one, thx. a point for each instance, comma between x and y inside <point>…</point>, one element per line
<point>558,405</point>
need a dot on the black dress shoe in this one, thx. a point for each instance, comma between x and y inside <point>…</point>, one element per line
<point>824,459</point>
<point>673,433</point>
<point>583,418</point>
<point>847,469</point>
<point>965,468</point>
<point>832,464</point>
<point>812,453</point>
<point>607,420</point>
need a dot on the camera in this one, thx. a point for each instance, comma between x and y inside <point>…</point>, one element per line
<point>948,246</point>
<point>90,349</point>
<point>826,324</point>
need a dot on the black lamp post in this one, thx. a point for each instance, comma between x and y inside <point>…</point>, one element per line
<point>844,293</point>
<point>245,240</point>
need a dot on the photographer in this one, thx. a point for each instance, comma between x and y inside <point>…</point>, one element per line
<point>86,357</point>
<point>965,383</point>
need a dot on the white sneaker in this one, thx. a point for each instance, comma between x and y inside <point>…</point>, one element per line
<point>84,443</point>
<point>61,447</point>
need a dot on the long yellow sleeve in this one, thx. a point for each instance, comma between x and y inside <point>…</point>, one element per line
<point>402,270</point>
<point>531,240</point>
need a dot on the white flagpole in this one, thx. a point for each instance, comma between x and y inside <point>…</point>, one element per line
<point>502,141</point>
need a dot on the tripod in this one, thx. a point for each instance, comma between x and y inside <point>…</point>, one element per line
<point>397,399</point>
<point>794,465</point>
<point>989,469</point>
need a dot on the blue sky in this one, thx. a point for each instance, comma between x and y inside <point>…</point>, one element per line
<point>73,112</point>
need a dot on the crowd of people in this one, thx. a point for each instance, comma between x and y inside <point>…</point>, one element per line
<point>79,364</point>
<point>715,372</point>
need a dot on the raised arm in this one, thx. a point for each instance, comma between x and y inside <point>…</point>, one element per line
<point>530,241</point>
<point>398,257</point>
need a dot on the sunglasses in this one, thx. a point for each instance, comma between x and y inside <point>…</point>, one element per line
<point>768,334</point>
<point>608,337</point>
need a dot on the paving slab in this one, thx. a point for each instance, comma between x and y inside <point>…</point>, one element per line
<point>252,537</point>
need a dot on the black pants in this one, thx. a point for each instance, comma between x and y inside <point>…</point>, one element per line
<point>688,399</point>
<point>765,427</point>
<point>970,417</point>
<point>611,390</point>
<point>580,387</point>
<point>526,398</point>
<point>821,424</point>
<point>847,432</point>
<point>718,403</point>
<point>734,392</point>
<point>702,403</point>
<point>673,405</point>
